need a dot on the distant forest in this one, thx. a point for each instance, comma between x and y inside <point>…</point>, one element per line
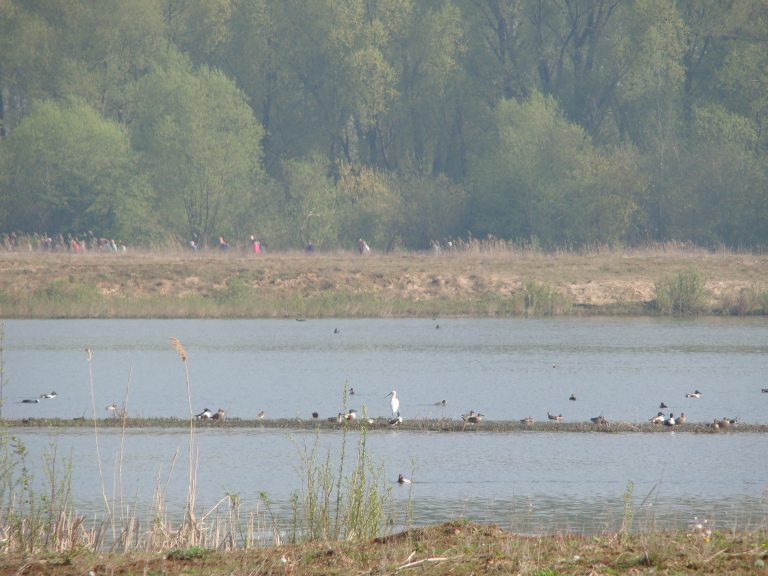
<point>549,123</point>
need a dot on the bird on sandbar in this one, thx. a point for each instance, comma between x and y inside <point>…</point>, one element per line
<point>658,419</point>
<point>219,415</point>
<point>394,402</point>
<point>204,415</point>
<point>557,417</point>
<point>472,417</point>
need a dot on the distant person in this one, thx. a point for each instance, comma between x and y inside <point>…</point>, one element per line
<point>223,244</point>
<point>363,247</point>
<point>310,247</point>
<point>255,245</point>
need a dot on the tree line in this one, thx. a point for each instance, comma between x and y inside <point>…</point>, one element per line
<point>544,122</point>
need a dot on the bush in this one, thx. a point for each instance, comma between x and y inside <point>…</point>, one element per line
<point>682,293</point>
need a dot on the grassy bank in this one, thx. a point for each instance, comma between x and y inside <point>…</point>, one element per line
<point>457,548</point>
<point>474,282</point>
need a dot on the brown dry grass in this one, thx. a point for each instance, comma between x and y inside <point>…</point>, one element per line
<point>339,284</point>
<point>458,548</point>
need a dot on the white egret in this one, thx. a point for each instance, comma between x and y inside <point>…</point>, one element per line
<point>394,402</point>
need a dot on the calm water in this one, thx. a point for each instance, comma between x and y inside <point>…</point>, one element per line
<point>506,369</point>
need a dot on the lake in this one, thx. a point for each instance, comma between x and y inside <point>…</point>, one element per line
<point>507,369</point>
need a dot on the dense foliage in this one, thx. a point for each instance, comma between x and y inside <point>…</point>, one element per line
<point>545,122</point>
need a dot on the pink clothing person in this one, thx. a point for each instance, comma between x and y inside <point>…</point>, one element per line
<point>255,246</point>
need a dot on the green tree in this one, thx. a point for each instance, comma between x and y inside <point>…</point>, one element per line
<point>200,146</point>
<point>70,170</point>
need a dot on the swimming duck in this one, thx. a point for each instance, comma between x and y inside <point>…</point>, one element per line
<point>219,414</point>
<point>441,403</point>
<point>49,395</point>
<point>204,415</point>
<point>658,419</point>
<point>30,400</point>
<point>573,397</point>
<point>662,406</point>
<point>694,394</point>
<point>351,391</point>
<point>558,417</point>
<point>402,479</point>
<point>670,421</point>
<point>765,390</point>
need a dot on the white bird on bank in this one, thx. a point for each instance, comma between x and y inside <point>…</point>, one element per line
<point>394,403</point>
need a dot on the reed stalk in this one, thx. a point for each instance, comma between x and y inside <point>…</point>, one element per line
<point>190,529</point>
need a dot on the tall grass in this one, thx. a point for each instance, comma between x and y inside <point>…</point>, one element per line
<point>335,505</point>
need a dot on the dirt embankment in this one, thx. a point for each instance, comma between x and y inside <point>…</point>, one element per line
<point>597,279</point>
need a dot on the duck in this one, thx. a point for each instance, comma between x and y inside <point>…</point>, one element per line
<point>220,413</point>
<point>681,418</point>
<point>472,417</point>
<point>694,394</point>
<point>670,421</point>
<point>658,419</point>
<point>765,390</point>
<point>204,415</point>
<point>715,425</point>
<point>350,415</point>
<point>49,395</point>
<point>261,415</point>
<point>351,391</point>
<point>396,420</point>
<point>527,421</point>
<point>402,479</point>
<point>572,398</point>
<point>441,403</point>
<point>558,417</point>
<point>599,420</point>
<point>662,406</point>
<point>30,400</point>
<point>315,415</point>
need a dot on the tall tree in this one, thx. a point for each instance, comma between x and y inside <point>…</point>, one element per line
<point>70,170</point>
<point>200,145</point>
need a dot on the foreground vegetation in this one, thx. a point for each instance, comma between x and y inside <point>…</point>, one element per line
<point>458,547</point>
<point>478,279</point>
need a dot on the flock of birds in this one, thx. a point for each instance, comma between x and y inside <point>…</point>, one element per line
<point>470,417</point>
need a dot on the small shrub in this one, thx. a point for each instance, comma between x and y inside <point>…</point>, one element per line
<point>682,293</point>
<point>191,553</point>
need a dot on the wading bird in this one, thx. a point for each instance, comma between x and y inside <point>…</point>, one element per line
<point>394,403</point>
